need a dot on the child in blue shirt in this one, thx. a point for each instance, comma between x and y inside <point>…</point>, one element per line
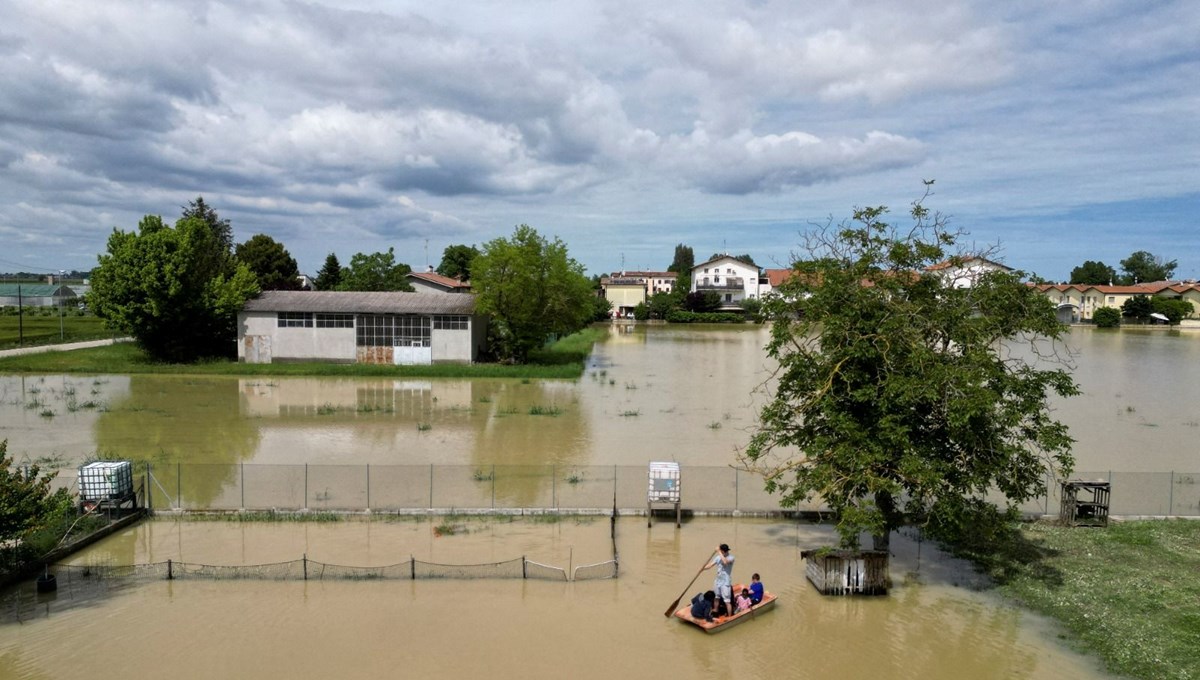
<point>756,589</point>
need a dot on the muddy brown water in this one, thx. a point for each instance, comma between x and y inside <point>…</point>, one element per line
<point>649,393</point>
<point>934,624</point>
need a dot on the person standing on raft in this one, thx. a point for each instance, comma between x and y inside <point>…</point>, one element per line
<point>723,583</point>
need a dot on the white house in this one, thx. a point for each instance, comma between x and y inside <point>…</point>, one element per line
<point>728,277</point>
<point>963,272</point>
<point>360,327</point>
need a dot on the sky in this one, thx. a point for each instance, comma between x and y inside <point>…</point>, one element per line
<point>1056,132</point>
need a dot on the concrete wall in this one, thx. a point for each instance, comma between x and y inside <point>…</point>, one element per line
<point>263,341</point>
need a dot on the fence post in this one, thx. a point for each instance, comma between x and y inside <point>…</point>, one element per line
<point>554,486</point>
<point>170,570</point>
<point>430,489</point>
<point>178,486</point>
<point>614,486</point>
<point>149,489</point>
<point>736,489</point>
<point>305,486</point>
<point>523,563</point>
<point>493,486</point>
<point>1171,495</point>
<point>242,467</point>
<point>368,486</point>
<point>304,560</point>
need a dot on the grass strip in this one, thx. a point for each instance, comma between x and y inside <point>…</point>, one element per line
<point>1129,593</point>
<point>561,361</point>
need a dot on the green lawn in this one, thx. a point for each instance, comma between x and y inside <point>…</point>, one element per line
<point>44,330</point>
<point>1129,593</point>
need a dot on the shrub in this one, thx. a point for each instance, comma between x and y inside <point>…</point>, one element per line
<point>1107,317</point>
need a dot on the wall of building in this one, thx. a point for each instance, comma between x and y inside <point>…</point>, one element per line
<point>263,341</point>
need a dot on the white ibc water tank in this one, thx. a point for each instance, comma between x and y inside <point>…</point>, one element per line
<point>105,480</point>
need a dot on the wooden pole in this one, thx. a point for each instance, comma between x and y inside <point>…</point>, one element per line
<point>675,604</point>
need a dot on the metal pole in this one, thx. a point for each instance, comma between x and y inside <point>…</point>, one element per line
<point>554,485</point>
<point>306,485</point>
<point>20,317</point>
<point>242,467</point>
<point>149,489</point>
<point>430,487</point>
<point>493,486</point>
<point>170,570</point>
<point>1171,495</point>
<point>179,486</point>
<point>368,486</point>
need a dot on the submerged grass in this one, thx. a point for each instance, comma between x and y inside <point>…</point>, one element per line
<point>1129,593</point>
<point>562,360</point>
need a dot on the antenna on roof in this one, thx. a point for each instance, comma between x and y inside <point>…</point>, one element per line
<point>427,265</point>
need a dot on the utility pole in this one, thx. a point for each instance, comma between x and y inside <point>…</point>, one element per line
<point>62,274</point>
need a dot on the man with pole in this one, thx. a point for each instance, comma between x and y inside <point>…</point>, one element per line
<point>723,583</point>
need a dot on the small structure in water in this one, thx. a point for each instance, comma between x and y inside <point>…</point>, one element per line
<point>1084,503</point>
<point>664,488</point>
<point>847,572</point>
<point>107,484</point>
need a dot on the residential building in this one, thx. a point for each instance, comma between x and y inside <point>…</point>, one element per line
<point>360,327</point>
<point>730,278</point>
<point>961,272</point>
<point>1077,302</point>
<point>626,290</point>
<point>432,282</point>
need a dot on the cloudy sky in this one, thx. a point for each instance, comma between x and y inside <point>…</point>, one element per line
<point>1062,132</point>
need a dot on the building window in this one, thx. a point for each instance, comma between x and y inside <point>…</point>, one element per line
<point>335,321</point>
<point>729,297</point>
<point>392,330</point>
<point>450,322</point>
<point>295,319</point>
<point>706,270</point>
<point>1111,299</point>
<point>716,279</point>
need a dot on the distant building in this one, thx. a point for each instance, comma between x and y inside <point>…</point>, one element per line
<point>963,272</point>
<point>432,282</point>
<point>730,278</point>
<point>1077,302</point>
<point>626,290</point>
<point>360,327</point>
<point>36,295</point>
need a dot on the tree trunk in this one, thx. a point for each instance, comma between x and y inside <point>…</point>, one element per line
<point>887,506</point>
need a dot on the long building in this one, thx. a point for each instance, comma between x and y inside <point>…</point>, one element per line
<point>1077,302</point>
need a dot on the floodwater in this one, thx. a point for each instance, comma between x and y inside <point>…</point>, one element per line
<point>651,392</point>
<point>933,625</point>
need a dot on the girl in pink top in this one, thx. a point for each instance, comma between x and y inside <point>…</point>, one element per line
<point>743,600</point>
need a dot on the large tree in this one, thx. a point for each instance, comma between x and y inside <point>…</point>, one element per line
<point>174,289</point>
<point>456,261</point>
<point>682,265</point>
<point>271,263</point>
<point>221,229</point>
<point>1094,273</point>
<point>1143,267</point>
<point>899,399</point>
<point>330,276</point>
<point>532,289</point>
<point>376,271</point>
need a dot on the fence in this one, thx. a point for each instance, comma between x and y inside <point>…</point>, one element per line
<point>583,488</point>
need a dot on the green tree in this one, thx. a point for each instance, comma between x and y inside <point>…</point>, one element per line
<point>1107,317</point>
<point>702,301</point>
<point>172,288</point>
<point>532,289</point>
<point>330,276</point>
<point>897,400</point>
<point>1143,267</point>
<point>601,308</point>
<point>271,263</point>
<point>1137,307</point>
<point>682,264</point>
<point>377,272</point>
<point>661,304</point>
<point>221,229</point>
<point>456,262</point>
<point>25,498</point>
<point>1175,309</point>
<point>1093,273</point>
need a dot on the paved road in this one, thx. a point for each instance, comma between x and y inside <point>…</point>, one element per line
<point>58,348</point>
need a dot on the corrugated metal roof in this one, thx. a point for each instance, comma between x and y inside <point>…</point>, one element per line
<point>338,302</point>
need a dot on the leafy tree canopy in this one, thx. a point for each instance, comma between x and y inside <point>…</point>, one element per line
<point>1138,307</point>
<point>1107,317</point>
<point>376,272</point>
<point>532,289</point>
<point>221,229</point>
<point>1143,267</point>
<point>1094,274</point>
<point>330,276</point>
<point>702,301</point>
<point>25,498</point>
<point>174,289</point>
<point>898,398</point>
<point>271,263</point>
<point>684,260</point>
<point>456,261</point>
<point>1175,309</point>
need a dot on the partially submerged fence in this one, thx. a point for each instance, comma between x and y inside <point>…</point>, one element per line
<point>582,488</point>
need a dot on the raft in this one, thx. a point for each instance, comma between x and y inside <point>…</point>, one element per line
<point>721,623</point>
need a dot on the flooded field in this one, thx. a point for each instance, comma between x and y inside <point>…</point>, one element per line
<point>934,625</point>
<point>649,393</point>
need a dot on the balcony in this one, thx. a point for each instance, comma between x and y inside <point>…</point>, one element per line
<point>727,283</point>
